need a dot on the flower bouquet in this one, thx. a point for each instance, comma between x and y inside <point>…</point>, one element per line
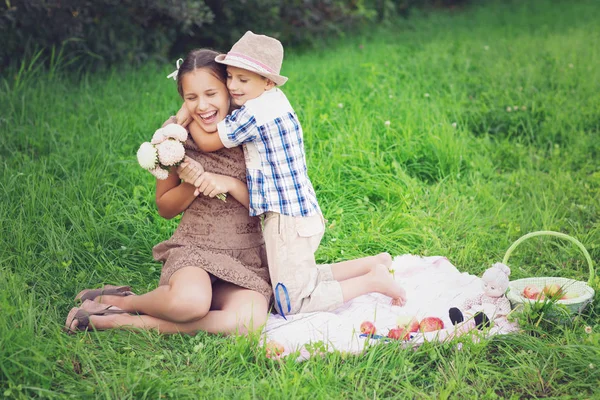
<point>165,150</point>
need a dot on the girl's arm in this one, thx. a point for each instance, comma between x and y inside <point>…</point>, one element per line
<point>173,196</point>
<point>211,184</point>
<point>207,142</point>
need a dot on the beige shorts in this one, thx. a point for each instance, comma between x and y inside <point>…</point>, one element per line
<point>291,243</point>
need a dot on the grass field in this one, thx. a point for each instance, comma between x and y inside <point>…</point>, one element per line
<point>451,133</point>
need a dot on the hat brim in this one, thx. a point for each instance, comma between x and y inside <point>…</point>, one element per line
<point>279,80</point>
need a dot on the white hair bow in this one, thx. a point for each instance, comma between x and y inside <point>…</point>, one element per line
<point>174,73</point>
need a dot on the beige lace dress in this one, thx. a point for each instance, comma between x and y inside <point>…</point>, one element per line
<point>219,237</point>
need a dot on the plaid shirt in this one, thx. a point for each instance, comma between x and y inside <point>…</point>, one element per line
<point>276,170</point>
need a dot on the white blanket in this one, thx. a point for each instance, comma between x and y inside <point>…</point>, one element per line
<point>432,285</point>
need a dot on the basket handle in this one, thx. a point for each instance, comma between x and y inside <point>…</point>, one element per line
<point>559,235</point>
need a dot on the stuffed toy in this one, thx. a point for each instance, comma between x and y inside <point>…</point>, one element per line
<point>489,305</point>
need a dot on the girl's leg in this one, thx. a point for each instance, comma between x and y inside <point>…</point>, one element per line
<point>239,311</point>
<point>187,297</point>
<point>361,266</point>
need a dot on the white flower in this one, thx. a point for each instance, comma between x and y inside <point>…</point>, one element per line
<point>159,173</point>
<point>516,108</point>
<point>158,137</point>
<point>176,132</point>
<point>454,124</point>
<point>391,96</point>
<point>570,65</point>
<point>147,156</point>
<point>170,152</point>
<point>588,329</point>
<point>340,105</point>
<point>486,48</point>
<point>387,123</point>
<point>426,94</point>
<point>508,109</point>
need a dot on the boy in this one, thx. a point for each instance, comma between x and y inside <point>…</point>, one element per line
<point>279,187</point>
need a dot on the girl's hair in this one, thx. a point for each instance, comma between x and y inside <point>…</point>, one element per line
<point>201,58</point>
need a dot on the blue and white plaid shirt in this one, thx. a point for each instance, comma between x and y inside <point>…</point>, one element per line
<point>276,170</point>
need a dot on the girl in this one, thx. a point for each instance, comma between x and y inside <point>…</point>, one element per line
<point>214,275</point>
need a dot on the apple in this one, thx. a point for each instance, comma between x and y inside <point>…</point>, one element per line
<point>274,349</point>
<point>399,334</point>
<point>430,324</point>
<point>410,323</point>
<point>553,291</point>
<point>368,328</point>
<point>531,292</point>
<point>414,325</point>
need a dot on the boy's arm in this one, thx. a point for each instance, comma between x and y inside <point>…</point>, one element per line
<point>206,142</point>
<point>234,130</point>
<point>238,128</point>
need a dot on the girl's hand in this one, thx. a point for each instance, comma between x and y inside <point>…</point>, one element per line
<point>210,184</point>
<point>190,170</point>
<point>183,116</point>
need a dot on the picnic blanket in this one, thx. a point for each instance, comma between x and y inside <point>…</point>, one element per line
<point>432,285</point>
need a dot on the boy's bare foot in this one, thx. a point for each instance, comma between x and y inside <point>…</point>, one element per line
<point>384,283</point>
<point>385,259</point>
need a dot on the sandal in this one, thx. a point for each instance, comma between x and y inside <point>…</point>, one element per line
<point>108,290</point>
<point>82,314</point>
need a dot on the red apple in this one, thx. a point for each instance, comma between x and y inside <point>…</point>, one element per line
<point>368,328</point>
<point>414,325</point>
<point>531,292</point>
<point>553,291</point>
<point>274,349</point>
<point>430,324</point>
<point>409,323</point>
<point>399,334</point>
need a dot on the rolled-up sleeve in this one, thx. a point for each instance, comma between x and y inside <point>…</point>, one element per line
<point>238,128</point>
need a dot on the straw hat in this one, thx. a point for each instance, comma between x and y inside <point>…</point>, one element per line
<point>257,53</point>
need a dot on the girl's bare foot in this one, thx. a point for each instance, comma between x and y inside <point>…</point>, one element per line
<point>80,318</point>
<point>103,322</point>
<point>384,283</point>
<point>109,299</point>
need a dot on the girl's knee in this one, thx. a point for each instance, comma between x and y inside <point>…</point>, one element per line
<point>190,294</point>
<point>188,306</point>
<point>253,315</point>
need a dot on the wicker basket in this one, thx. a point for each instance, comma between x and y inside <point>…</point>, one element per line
<point>582,292</point>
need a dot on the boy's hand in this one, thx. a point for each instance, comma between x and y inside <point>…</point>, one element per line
<point>183,116</point>
<point>210,184</point>
<point>190,170</point>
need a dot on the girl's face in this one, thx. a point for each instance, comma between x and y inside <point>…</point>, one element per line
<point>205,97</point>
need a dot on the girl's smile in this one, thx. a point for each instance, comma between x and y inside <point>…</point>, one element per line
<point>205,97</point>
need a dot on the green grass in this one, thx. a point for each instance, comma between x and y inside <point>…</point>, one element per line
<point>76,210</point>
